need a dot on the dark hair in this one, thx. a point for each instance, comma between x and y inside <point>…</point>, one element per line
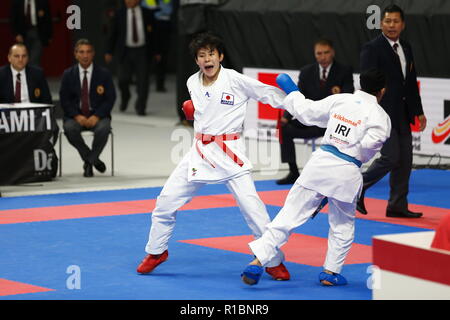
<point>206,40</point>
<point>394,8</point>
<point>372,81</point>
<point>324,42</point>
<point>83,41</point>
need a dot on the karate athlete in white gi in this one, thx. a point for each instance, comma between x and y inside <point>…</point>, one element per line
<point>217,154</point>
<point>357,127</point>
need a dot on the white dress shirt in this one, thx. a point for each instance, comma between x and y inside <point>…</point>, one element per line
<point>24,96</point>
<point>327,73</point>
<point>140,28</point>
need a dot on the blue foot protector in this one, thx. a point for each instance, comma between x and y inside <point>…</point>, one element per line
<point>335,279</point>
<point>252,274</point>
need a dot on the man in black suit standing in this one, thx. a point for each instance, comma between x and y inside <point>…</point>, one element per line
<point>87,96</point>
<point>133,40</point>
<point>316,81</point>
<point>402,102</point>
<point>22,82</point>
<point>31,22</point>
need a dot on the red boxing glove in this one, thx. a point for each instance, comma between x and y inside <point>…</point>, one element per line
<point>188,109</point>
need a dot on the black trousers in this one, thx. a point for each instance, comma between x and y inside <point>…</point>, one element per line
<point>396,158</point>
<point>294,129</point>
<point>165,30</point>
<point>135,62</point>
<point>72,131</point>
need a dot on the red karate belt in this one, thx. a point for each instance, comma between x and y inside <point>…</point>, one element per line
<point>219,140</point>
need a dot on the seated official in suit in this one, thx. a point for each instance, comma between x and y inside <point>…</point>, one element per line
<point>21,82</point>
<point>316,81</point>
<point>87,97</point>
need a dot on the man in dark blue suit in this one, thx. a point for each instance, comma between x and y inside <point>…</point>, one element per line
<point>133,39</point>
<point>87,97</point>
<point>402,102</point>
<point>316,81</point>
<point>22,82</point>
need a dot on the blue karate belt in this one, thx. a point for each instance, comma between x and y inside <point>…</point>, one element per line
<point>337,153</point>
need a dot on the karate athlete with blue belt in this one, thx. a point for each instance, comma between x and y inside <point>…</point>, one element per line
<point>217,155</point>
<point>357,127</point>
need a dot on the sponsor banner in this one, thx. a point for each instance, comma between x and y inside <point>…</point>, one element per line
<point>434,140</point>
<point>16,120</point>
<point>27,136</point>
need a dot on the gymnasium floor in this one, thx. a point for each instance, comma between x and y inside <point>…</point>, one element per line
<point>80,239</point>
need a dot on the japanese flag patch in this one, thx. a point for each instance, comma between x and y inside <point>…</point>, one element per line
<point>227,98</point>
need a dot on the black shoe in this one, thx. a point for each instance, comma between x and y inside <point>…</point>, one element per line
<point>360,205</point>
<point>100,166</point>
<point>88,172</point>
<point>289,179</point>
<point>403,214</point>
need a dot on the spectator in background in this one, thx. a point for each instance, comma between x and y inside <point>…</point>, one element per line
<point>87,97</point>
<point>402,103</point>
<point>316,81</point>
<point>31,22</point>
<point>21,82</point>
<point>133,39</point>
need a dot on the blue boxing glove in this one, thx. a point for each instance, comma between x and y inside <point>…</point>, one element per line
<point>285,82</point>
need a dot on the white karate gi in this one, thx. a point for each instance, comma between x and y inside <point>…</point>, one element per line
<point>357,126</point>
<point>219,109</point>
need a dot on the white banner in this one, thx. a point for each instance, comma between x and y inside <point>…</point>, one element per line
<point>261,120</point>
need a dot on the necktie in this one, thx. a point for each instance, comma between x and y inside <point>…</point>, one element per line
<point>395,46</point>
<point>134,26</point>
<point>323,80</point>
<point>18,92</point>
<point>85,96</point>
